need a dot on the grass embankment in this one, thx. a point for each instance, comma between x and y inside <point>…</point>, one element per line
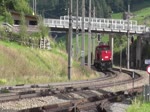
<point>140,13</point>
<point>24,65</point>
<point>138,106</point>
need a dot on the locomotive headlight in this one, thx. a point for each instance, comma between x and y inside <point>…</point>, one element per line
<point>102,59</point>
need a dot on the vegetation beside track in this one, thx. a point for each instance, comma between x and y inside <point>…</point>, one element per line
<point>138,106</point>
<point>25,65</point>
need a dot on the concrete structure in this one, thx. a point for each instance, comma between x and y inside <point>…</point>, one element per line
<point>31,22</point>
<point>111,43</point>
<point>30,19</point>
<point>138,52</point>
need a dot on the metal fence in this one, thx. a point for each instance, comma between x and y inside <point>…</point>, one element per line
<point>146,93</point>
<point>99,24</point>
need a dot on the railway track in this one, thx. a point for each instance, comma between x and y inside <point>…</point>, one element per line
<point>90,104</point>
<point>108,75</point>
<point>29,91</point>
<point>65,90</point>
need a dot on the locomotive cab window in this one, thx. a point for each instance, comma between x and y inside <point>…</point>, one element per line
<point>104,48</point>
<point>98,49</point>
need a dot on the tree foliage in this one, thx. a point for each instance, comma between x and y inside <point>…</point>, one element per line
<point>8,18</point>
<point>104,8</point>
<point>57,8</point>
<point>22,6</point>
<point>23,29</point>
<point>16,5</point>
<point>43,30</point>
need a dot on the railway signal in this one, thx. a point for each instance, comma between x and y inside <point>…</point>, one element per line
<point>133,76</point>
<point>132,40</point>
<point>147,61</point>
<point>99,37</point>
<point>148,71</point>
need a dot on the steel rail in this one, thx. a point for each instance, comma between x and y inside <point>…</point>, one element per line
<point>67,88</point>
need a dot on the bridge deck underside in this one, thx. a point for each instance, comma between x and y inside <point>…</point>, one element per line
<point>96,30</point>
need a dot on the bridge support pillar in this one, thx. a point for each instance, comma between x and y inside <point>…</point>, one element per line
<point>111,43</point>
<point>138,52</point>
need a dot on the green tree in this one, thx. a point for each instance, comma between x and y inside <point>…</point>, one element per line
<point>8,18</point>
<point>22,6</point>
<point>116,5</point>
<point>2,7</point>
<point>43,30</point>
<point>3,34</point>
<point>16,5</point>
<point>23,30</point>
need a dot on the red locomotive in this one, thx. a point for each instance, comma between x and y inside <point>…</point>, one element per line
<point>103,57</point>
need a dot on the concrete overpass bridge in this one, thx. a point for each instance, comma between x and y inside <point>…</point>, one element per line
<point>102,25</point>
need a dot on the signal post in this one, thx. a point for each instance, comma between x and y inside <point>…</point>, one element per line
<point>148,71</point>
<point>138,52</point>
<point>111,44</point>
<point>70,41</point>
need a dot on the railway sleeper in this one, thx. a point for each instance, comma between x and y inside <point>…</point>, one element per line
<point>93,105</point>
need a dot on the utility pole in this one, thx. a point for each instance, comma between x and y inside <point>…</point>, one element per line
<point>83,35</point>
<point>128,45</point>
<point>77,30</point>
<point>34,6</point>
<point>70,41</point>
<point>93,41</point>
<point>89,37</point>
<point>120,57</point>
<point>43,13</point>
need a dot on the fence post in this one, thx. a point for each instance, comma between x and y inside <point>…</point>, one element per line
<point>143,93</point>
<point>146,93</point>
<point>44,43</point>
<point>41,41</point>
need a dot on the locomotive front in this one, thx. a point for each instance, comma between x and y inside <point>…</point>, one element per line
<point>103,57</point>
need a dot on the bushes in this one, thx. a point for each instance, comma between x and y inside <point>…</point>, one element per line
<point>8,18</point>
<point>138,106</point>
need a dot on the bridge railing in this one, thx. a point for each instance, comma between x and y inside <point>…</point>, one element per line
<point>103,24</point>
<point>100,20</point>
